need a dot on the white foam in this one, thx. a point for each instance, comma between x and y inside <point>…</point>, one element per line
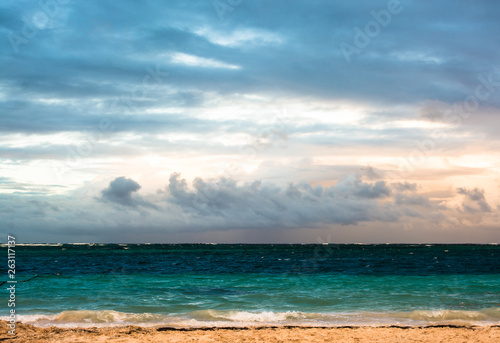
<point>244,316</point>
<point>218,318</point>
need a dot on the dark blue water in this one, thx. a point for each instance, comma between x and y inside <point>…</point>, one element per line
<point>203,284</point>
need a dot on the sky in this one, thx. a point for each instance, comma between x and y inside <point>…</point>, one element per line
<point>277,121</point>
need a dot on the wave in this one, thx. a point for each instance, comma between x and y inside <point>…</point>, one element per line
<point>248,317</point>
<point>86,318</point>
<point>445,315</point>
<point>421,317</point>
<point>219,318</point>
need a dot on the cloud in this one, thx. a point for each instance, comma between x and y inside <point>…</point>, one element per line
<point>258,204</point>
<point>371,173</point>
<point>254,209</point>
<point>120,191</point>
<point>404,186</point>
<point>194,61</point>
<point>8,185</point>
<point>72,87</point>
<point>173,83</point>
<point>406,199</point>
<point>473,197</point>
<point>354,186</point>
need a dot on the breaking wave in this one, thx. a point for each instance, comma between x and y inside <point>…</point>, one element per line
<point>217,318</point>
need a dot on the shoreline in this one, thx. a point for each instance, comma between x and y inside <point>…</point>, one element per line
<point>232,334</point>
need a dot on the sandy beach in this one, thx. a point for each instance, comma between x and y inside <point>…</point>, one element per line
<point>27,334</point>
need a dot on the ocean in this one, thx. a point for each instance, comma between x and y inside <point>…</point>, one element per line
<point>232,285</point>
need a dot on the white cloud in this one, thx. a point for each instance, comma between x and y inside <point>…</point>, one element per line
<point>196,61</point>
<point>240,38</point>
<point>416,56</point>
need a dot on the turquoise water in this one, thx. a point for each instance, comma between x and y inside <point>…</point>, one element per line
<point>241,285</point>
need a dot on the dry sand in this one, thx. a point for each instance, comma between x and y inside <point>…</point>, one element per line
<point>445,334</point>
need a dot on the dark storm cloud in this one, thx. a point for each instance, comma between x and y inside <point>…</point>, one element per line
<point>265,204</point>
<point>121,191</point>
<point>355,186</point>
<point>221,205</point>
<point>475,200</point>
